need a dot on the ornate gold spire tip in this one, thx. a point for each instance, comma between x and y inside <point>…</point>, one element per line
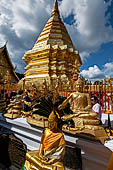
<point>55,8</point>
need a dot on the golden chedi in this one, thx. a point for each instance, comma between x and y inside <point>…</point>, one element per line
<point>85,120</point>
<point>53,54</point>
<point>52,149</point>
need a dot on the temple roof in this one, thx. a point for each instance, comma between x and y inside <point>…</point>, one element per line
<point>3,50</point>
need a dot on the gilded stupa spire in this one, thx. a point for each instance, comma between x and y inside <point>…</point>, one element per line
<point>53,54</point>
<point>54,32</point>
<point>55,9</point>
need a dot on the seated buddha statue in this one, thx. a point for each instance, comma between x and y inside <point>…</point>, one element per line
<point>83,116</point>
<point>52,149</point>
<point>14,109</point>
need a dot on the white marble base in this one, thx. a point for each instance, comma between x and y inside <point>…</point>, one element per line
<point>95,156</point>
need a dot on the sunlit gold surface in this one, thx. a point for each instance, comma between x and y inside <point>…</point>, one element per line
<point>85,120</point>
<point>80,102</point>
<point>13,110</point>
<point>52,149</point>
<point>53,53</point>
<point>38,120</point>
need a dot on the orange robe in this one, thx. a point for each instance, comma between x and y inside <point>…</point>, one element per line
<point>110,163</point>
<point>53,144</point>
<point>52,140</point>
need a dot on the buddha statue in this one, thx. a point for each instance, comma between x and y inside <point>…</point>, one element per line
<point>52,148</point>
<point>13,110</point>
<point>84,118</point>
<point>80,102</point>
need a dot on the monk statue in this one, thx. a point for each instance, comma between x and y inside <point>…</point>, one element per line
<point>85,120</point>
<point>52,148</point>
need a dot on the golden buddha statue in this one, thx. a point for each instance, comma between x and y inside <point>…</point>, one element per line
<point>13,110</point>
<point>84,118</point>
<point>80,102</point>
<point>52,149</point>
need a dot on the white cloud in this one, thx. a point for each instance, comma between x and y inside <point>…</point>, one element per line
<point>89,30</point>
<point>108,69</point>
<point>94,73</point>
<point>28,17</point>
<point>21,22</point>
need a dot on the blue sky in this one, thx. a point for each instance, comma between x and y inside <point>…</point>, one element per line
<point>105,53</point>
<point>89,23</point>
<point>101,57</point>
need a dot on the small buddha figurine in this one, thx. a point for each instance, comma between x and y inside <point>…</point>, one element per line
<point>52,148</point>
<point>14,109</point>
<point>84,118</point>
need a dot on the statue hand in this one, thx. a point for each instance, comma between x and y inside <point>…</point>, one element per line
<point>51,161</point>
<point>60,107</point>
<point>85,109</point>
<point>76,114</point>
<point>82,109</point>
<point>40,156</point>
<point>45,162</point>
<point>81,112</point>
<point>67,117</point>
<point>63,118</point>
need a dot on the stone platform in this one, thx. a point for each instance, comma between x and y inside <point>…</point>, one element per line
<point>94,154</point>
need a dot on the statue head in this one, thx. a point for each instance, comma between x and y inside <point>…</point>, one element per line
<point>79,85</point>
<point>53,120</point>
<point>75,77</point>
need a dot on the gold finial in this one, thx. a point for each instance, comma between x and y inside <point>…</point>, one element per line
<point>55,8</point>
